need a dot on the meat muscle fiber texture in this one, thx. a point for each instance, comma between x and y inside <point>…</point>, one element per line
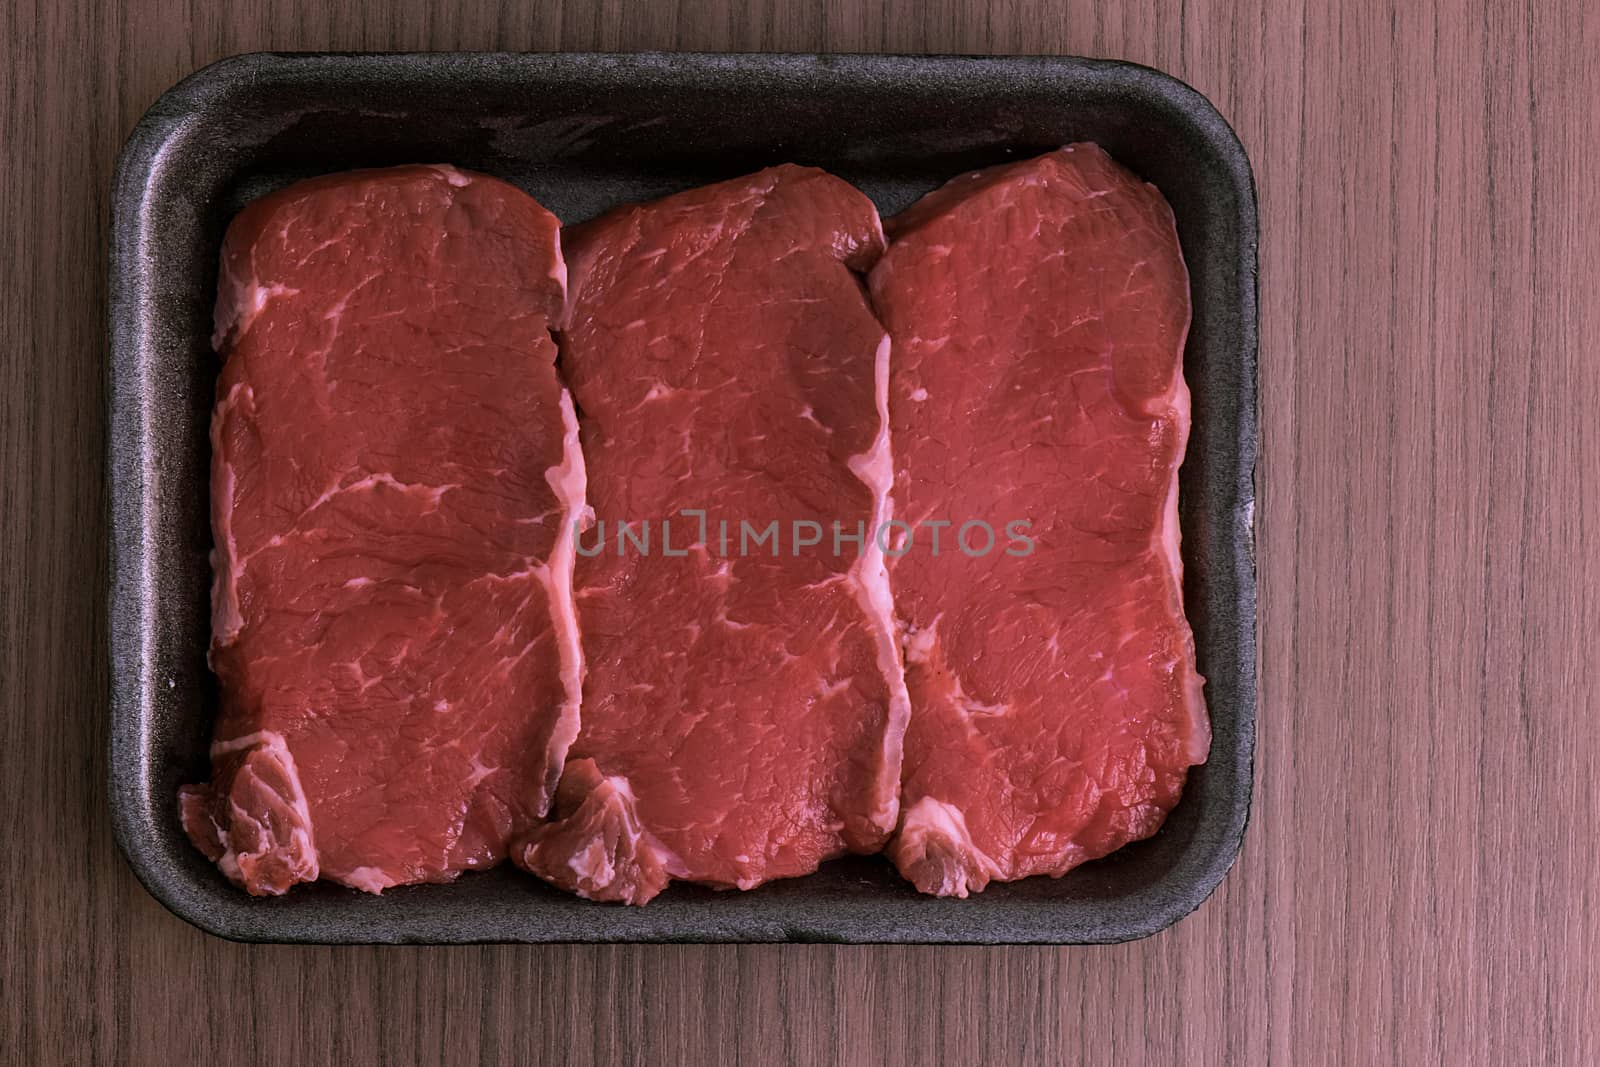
<point>1038,312</point>
<point>394,477</point>
<point>744,710</point>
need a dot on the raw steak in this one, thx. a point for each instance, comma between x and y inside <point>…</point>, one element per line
<point>1038,312</point>
<point>744,711</point>
<point>395,474</point>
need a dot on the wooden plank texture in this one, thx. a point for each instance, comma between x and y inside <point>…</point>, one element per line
<point>1420,883</point>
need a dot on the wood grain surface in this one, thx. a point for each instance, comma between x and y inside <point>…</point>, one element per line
<point>1420,883</point>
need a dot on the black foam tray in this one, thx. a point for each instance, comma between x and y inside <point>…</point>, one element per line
<point>582,133</point>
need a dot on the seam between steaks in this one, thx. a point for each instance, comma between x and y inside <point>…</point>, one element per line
<point>569,481</point>
<point>870,577</point>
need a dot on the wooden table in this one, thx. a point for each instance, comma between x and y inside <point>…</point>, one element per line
<point>1421,879</point>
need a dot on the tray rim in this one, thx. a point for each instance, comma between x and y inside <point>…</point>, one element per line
<point>128,603</point>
